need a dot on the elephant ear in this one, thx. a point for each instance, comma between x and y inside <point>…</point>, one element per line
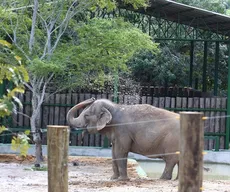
<point>105,117</point>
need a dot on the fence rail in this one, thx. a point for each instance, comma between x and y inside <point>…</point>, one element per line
<point>55,108</point>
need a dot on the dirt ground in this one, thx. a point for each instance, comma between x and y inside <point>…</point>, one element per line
<point>89,175</point>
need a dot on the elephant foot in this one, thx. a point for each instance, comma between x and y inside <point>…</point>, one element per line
<point>114,177</point>
<point>123,178</point>
<point>166,177</point>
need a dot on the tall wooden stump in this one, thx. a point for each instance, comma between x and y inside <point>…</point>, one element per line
<point>58,144</point>
<point>191,152</point>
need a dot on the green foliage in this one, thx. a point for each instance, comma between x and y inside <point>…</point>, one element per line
<point>13,71</point>
<point>167,68</point>
<point>112,4</point>
<point>21,143</point>
<point>43,68</point>
<point>219,6</point>
<point>137,3</point>
<point>2,129</point>
<point>8,21</point>
<point>105,45</point>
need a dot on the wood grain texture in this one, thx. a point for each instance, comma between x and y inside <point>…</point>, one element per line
<point>58,143</point>
<point>191,148</point>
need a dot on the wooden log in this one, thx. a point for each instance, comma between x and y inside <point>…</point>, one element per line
<point>223,121</point>
<point>57,109</point>
<point>162,102</point>
<point>167,102</point>
<point>191,148</point>
<point>212,122</point>
<point>149,100</point>
<point>207,122</point>
<point>28,109</point>
<point>58,143</point>
<point>155,101</point>
<point>51,110</point>
<point>143,99</point>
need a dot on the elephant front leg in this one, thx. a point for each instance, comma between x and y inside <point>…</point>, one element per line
<point>115,166</point>
<point>121,162</point>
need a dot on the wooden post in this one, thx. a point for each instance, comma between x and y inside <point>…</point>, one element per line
<point>58,144</point>
<point>191,152</point>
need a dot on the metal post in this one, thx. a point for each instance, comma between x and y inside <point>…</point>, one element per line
<point>191,151</point>
<point>227,137</point>
<point>2,88</point>
<point>204,87</point>
<point>216,68</point>
<point>58,144</point>
<point>191,63</point>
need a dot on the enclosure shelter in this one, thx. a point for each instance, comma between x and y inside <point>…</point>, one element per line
<point>164,20</point>
<point>168,20</point>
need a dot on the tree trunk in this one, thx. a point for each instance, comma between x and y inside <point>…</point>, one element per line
<point>37,140</point>
<point>38,148</point>
<point>37,99</point>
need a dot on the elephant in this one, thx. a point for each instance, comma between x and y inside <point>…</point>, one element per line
<point>141,128</point>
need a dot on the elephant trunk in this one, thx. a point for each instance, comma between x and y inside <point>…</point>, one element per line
<point>71,120</point>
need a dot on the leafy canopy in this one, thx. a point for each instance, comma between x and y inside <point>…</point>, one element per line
<point>105,45</point>
<point>11,70</point>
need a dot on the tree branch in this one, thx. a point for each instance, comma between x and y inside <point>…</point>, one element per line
<point>34,18</point>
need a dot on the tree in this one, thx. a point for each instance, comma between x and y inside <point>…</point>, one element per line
<point>219,6</point>
<point>167,68</point>
<point>44,35</point>
<point>15,73</point>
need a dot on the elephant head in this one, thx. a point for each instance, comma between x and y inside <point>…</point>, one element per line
<point>94,117</point>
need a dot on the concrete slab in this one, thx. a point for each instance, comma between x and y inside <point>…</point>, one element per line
<point>211,156</point>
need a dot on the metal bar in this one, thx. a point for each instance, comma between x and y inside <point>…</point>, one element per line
<point>217,141</point>
<point>216,68</point>
<point>196,109</point>
<point>183,39</point>
<point>175,109</point>
<point>227,137</point>
<point>2,89</point>
<point>217,145</point>
<point>15,129</point>
<point>191,63</point>
<point>204,82</point>
<point>214,134</point>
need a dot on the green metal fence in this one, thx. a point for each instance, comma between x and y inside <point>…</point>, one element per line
<point>54,111</point>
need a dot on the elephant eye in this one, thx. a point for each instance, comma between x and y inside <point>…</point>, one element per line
<point>101,114</point>
<point>86,117</point>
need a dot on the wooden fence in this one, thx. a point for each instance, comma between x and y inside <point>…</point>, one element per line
<point>55,108</point>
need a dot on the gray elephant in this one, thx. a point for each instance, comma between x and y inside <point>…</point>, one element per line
<point>142,129</point>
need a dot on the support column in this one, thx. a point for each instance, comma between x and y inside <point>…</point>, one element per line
<point>191,152</point>
<point>204,86</point>
<point>216,68</point>
<point>227,136</point>
<point>191,63</point>
<point>58,145</point>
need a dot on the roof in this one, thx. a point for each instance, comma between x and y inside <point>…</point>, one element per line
<point>188,15</point>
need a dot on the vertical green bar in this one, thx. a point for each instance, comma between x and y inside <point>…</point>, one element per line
<point>228,103</point>
<point>2,91</point>
<point>2,88</point>
<point>216,68</point>
<point>191,63</point>
<point>204,87</point>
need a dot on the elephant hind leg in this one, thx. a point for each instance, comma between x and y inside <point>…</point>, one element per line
<point>167,174</point>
